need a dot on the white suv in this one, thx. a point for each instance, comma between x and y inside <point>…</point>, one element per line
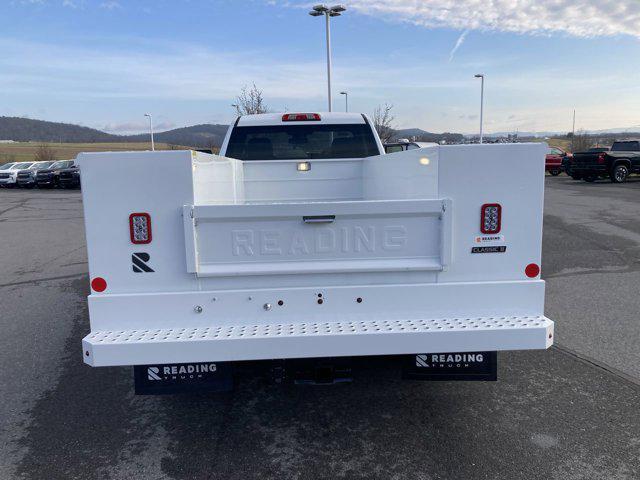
<point>9,175</point>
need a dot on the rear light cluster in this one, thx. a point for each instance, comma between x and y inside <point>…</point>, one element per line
<point>491,218</point>
<point>140,228</point>
<point>601,158</point>
<point>301,117</point>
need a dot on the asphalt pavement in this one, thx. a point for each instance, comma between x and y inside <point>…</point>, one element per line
<point>572,412</point>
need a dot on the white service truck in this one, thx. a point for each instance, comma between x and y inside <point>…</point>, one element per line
<point>302,239</point>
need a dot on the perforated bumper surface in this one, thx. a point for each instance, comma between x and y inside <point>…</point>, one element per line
<point>305,340</point>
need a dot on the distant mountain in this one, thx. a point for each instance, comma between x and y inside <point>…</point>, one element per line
<point>424,136</point>
<point>200,136</point>
<point>28,130</point>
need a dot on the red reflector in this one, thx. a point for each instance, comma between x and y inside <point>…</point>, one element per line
<point>99,284</point>
<point>140,228</point>
<point>301,117</point>
<point>532,270</point>
<point>491,218</point>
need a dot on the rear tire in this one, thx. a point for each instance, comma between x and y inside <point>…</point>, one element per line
<point>619,173</point>
<point>555,173</point>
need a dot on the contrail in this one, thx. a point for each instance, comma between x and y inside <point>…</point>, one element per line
<point>458,44</point>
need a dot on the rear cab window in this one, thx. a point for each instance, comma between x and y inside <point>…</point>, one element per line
<point>302,141</point>
<point>630,146</point>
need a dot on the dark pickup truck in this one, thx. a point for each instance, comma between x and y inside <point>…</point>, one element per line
<point>617,164</point>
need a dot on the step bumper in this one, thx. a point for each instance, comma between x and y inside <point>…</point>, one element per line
<point>316,339</point>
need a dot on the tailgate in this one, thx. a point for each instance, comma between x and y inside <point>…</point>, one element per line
<point>290,238</point>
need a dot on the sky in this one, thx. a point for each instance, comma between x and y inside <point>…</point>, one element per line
<point>104,63</point>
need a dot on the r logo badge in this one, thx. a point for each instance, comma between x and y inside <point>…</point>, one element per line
<point>152,373</point>
<point>139,261</point>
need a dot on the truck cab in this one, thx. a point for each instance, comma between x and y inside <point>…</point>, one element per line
<point>301,136</point>
<point>303,240</point>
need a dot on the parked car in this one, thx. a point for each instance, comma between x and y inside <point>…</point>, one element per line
<point>8,177</point>
<point>27,178</point>
<point>49,176</point>
<point>69,177</point>
<point>553,160</point>
<point>7,166</point>
<point>617,163</point>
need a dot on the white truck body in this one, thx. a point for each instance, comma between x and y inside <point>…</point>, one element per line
<point>257,260</point>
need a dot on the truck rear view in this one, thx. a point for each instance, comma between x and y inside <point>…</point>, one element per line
<point>302,239</point>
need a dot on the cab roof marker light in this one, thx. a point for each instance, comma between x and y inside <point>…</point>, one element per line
<point>301,117</point>
<point>491,218</point>
<point>140,228</point>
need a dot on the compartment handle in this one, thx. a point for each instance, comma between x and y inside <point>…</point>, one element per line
<point>318,218</point>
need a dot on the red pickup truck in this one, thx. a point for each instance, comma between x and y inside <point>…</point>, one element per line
<point>553,160</point>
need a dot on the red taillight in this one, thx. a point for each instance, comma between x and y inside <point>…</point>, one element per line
<point>532,270</point>
<point>99,284</point>
<point>140,228</point>
<point>491,218</point>
<point>301,117</point>
<point>601,158</point>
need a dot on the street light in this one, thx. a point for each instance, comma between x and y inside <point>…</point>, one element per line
<point>481,77</point>
<point>153,147</point>
<point>237,107</point>
<point>346,100</point>
<point>328,12</point>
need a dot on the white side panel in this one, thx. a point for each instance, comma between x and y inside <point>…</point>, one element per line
<point>114,185</point>
<point>410,174</point>
<point>509,174</point>
<point>217,179</point>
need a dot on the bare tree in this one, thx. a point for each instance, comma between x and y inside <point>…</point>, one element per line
<point>250,101</point>
<point>44,153</point>
<point>383,121</point>
<point>8,158</point>
<point>581,141</point>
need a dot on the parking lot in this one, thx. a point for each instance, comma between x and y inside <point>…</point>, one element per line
<point>572,412</point>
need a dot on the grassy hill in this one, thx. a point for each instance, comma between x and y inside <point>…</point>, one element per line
<point>29,130</point>
<point>25,151</point>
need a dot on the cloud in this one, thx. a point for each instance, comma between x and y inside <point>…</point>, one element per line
<point>459,42</point>
<point>111,5</point>
<point>579,18</point>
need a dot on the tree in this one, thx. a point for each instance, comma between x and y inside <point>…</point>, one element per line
<point>383,121</point>
<point>44,153</point>
<point>581,141</point>
<point>250,101</point>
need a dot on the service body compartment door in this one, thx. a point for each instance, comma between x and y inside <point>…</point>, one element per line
<point>291,238</point>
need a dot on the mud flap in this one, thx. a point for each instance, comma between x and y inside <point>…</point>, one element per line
<point>182,378</point>
<point>466,366</point>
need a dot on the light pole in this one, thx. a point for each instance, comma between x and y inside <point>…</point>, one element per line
<point>153,147</point>
<point>481,77</point>
<point>328,12</point>
<point>346,100</point>
<point>573,130</point>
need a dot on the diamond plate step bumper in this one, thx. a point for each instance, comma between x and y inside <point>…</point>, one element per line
<point>322,339</point>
